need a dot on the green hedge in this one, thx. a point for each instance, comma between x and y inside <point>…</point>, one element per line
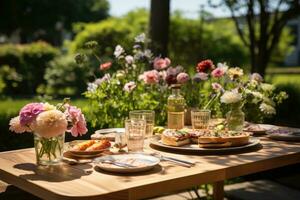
<point>26,65</point>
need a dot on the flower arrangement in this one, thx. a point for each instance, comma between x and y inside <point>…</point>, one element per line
<point>138,80</point>
<point>49,123</point>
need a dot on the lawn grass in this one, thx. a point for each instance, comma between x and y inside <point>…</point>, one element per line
<point>284,79</point>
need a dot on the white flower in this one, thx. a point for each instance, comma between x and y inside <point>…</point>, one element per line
<point>16,126</point>
<point>257,94</point>
<point>140,38</point>
<point>267,87</point>
<point>223,66</point>
<point>92,87</point>
<point>129,59</point>
<point>216,87</point>
<point>128,87</point>
<point>231,97</point>
<point>267,109</point>
<point>147,53</point>
<point>118,51</point>
<point>48,106</point>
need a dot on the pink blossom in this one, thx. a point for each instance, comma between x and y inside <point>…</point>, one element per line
<point>218,72</point>
<point>128,87</point>
<point>161,63</point>
<point>105,66</point>
<point>201,76</point>
<point>182,77</point>
<point>257,77</point>
<point>29,113</point>
<point>151,77</point>
<point>217,87</point>
<point>77,119</point>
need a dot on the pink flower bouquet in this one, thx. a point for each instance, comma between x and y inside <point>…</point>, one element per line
<point>49,124</point>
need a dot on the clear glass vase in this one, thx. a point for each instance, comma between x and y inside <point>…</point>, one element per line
<point>235,118</point>
<point>49,151</point>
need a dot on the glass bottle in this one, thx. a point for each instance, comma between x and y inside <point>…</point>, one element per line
<point>235,118</point>
<point>175,108</point>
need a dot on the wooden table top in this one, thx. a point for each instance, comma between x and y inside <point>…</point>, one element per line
<point>84,182</point>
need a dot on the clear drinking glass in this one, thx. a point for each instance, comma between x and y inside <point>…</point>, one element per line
<point>135,132</point>
<point>120,140</point>
<point>147,115</point>
<point>200,119</point>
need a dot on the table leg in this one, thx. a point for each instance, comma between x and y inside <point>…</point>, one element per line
<point>218,190</point>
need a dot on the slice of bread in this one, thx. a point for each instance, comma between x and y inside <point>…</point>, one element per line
<point>172,141</point>
<point>224,141</point>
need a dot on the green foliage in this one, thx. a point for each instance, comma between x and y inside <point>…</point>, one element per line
<point>47,19</point>
<point>25,66</point>
<point>193,40</point>
<point>65,77</point>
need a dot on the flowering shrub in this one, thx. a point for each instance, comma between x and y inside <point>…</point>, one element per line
<point>216,87</point>
<point>139,81</point>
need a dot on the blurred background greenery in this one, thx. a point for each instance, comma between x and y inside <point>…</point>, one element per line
<point>39,39</point>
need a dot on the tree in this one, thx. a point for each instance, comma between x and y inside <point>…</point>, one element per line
<point>47,19</point>
<point>159,26</point>
<point>260,24</point>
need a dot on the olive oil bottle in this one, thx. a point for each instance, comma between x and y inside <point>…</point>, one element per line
<point>175,108</point>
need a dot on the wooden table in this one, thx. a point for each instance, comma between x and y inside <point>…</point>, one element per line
<point>67,182</point>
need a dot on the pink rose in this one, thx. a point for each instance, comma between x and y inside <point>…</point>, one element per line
<point>217,87</point>
<point>128,87</point>
<point>29,113</point>
<point>75,116</point>
<point>218,72</point>
<point>182,77</point>
<point>151,77</point>
<point>161,63</point>
<point>105,66</point>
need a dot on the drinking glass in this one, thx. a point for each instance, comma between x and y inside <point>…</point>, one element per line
<point>148,116</point>
<point>120,141</point>
<point>135,132</point>
<point>200,119</point>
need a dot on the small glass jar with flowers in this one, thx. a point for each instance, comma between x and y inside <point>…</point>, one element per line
<point>49,123</point>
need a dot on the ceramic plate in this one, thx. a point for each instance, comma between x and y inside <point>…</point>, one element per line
<point>285,134</point>
<point>138,162</point>
<point>83,154</point>
<point>195,149</point>
<point>258,129</point>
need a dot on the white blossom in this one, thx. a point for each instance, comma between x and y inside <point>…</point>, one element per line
<point>118,51</point>
<point>231,97</point>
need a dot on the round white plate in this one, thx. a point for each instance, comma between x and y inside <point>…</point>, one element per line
<point>285,134</point>
<point>110,130</point>
<point>141,162</point>
<point>260,128</point>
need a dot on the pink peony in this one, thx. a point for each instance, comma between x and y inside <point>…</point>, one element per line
<point>16,126</point>
<point>50,124</point>
<point>201,76</point>
<point>105,66</point>
<point>182,77</point>
<point>128,87</point>
<point>218,72</point>
<point>151,77</point>
<point>161,63</point>
<point>75,116</point>
<point>29,112</point>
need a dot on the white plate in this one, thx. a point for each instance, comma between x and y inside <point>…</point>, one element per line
<point>110,130</point>
<point>260,128</point>
<point>285,134</point>
<point>141,162</point>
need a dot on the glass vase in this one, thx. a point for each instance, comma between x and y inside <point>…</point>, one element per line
<point>49,151</point>
<point>235,118</point>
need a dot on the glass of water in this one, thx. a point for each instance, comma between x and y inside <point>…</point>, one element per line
<point>148,116</point>
<point>200,119</point>
<point>135,132</point>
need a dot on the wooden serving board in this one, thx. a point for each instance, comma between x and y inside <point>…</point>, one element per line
<point>156,143</point>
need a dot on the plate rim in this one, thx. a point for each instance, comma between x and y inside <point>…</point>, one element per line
<point>255,142</point>
<point>126,170</point>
